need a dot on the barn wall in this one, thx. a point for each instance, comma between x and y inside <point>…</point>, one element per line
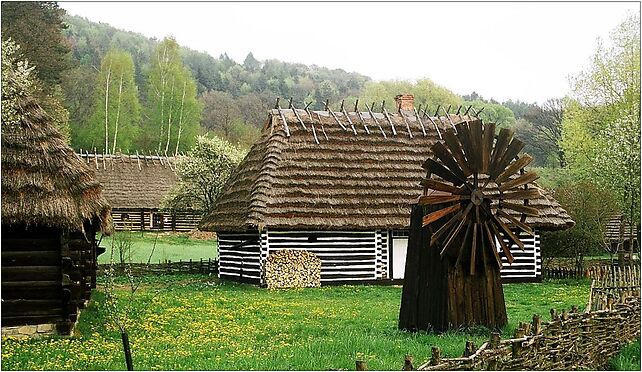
<point>527,265</point>
<point>47,275</point>
<point>345,255</point>
<point>136,219</point>
<point>239,256</point>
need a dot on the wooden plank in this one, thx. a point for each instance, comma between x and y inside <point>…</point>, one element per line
<point>519,181</point>
<point>28,273</point>
<point>503,140</point>
<point>440,199</point>
<point>37,258</point>
<point>491,241</point>
<point>434,216</point>
<point>455,149</point>
<point>464,136</point>
<point>502,243</point>
<point>488,140</point>
<point>442,230</point>
<point>30,244</point>
<point>476,140</point>
<point>511,152</point>
<point>442,153</point>
<point>518,164</point>
<point>434,167</point>
<point>473,250</point>
<point>524,227</point>
<point>441,186</point>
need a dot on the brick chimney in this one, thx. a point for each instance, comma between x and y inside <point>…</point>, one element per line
<point>407,102</point>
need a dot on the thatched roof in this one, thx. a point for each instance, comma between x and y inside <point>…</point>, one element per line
<point>345,181</point>
<point>43,181</point>
<point>133,181</point>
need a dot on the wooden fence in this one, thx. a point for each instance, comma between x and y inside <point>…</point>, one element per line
<point>202,266</point>
<point>613,284</point>
<point>563,273</point>
<point>571,340</point>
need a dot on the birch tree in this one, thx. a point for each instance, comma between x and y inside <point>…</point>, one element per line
<point>115,121</point>
<point>173,110</point>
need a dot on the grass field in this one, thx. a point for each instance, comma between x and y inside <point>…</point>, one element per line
<point>628,359</point>
<point>173,247</point>
<point>197,322</point>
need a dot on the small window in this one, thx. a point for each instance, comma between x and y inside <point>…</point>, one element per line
<point>400,233</point>
<point>312,238</point>
<point>124,216</point>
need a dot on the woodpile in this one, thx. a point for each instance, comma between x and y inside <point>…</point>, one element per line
<point>292,269</point>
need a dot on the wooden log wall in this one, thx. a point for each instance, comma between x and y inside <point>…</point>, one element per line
<point>527,264</point>
<point>47,275</point>
<point>346,256</point>
<point>570,341</point>
<point>141,220</point>
<point>239,256</point>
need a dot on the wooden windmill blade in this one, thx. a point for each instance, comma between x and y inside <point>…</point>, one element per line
<point>472,152</point>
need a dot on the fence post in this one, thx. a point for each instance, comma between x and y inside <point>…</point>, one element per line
<point>494,340</point>
<point>407,363</point>
<point>469,349</point>
<point>517,345</point>
<point>435,357</point>
<point>537,325</point>
<point>361,365</point>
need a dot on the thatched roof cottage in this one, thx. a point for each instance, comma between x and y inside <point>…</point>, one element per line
<point>135,186</point>
<point>52,207</point>
<point>340,184</point>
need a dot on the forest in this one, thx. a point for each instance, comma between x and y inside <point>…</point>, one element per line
<point>111,91</point>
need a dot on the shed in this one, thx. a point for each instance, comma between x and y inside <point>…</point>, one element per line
<point>135,186</point>
<point>52,207</point>
<point>341,184</point>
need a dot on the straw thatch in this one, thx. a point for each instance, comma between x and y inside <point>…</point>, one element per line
<point>44,183</point>
<point>345,181</point>
<point>133,181</point>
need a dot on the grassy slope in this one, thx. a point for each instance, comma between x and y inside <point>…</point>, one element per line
<point>171,247</point>
<point>198,323</point>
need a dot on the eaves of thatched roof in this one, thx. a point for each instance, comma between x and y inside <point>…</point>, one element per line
<point>133,181</point>
<point>44,183</point>
<point>325,177</point>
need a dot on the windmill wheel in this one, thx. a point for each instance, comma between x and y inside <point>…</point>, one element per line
<point>478,180</point>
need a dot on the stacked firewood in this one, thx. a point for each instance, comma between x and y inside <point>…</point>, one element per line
<point>292,269</point>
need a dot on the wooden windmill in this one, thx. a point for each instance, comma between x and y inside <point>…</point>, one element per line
<point>474,204</point>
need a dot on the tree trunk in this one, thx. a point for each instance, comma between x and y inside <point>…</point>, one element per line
<point>438,295</point>
<point>120,95</point>
<point>107,108</point>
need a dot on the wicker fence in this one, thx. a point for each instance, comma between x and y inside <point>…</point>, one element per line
<point>202,266</point>
<point>571,340</point>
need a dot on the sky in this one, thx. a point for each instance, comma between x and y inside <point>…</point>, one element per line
<point>524,51</point>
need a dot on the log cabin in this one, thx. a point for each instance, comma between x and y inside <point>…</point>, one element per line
<point>52,208</point>
<point>135,186</point>
<point>341,185</point>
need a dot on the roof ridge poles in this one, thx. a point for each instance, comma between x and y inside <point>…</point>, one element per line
<point>285,122</point>
<point>375,119</point>
<point>138,160</point>
<point>432,121</point>
<point>322,127</point>
<point>468,109</point>
<point>423,128</point>
<point>404,119</point>
<point>385,112</point>
<point>356,109</point>
<point>327,108</point>
<point>104,166</point>
<point>448,117</point>
<point>296,114</point>
<point>96,158</point>
<point>343,111</point>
